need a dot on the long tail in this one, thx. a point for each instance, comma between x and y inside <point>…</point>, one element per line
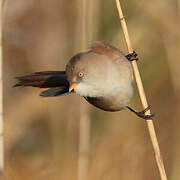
<point>55,80</point>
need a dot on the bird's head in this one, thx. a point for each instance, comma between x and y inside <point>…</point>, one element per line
<point>86,73</point>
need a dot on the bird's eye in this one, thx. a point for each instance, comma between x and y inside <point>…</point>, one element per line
<point>80,74</point>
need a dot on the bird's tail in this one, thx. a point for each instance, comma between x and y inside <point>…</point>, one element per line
<point>55,80</point>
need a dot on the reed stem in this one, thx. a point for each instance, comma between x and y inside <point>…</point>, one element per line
<point>84,124</point>
<point>1,97</point>
<point>142,95</point>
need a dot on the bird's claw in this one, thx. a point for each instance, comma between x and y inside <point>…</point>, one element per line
<point>143,115</point>
<point>132,56</point>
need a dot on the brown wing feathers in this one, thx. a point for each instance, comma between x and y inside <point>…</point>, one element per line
<point>105,49</point>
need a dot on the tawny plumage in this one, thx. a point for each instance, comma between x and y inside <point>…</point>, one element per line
<point>102,75</point>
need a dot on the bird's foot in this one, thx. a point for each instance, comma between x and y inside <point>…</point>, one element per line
<point>132,56</point>
<point>142,114</point>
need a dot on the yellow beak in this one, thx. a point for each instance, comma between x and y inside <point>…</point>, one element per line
<point>72,86</point>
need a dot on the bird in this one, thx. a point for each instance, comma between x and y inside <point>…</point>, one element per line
<point>103,75</point>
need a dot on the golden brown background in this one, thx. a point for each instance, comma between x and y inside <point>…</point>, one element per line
<point>42,134</point>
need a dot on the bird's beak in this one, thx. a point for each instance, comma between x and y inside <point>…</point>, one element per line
<point>72,86</point>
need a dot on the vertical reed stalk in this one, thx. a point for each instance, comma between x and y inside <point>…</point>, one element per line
<point>179,8</point>
<point>1,97</point>
<point>85,125</point>
<point>150,124</point>
<point>88,22</point>
<point>172,51</point>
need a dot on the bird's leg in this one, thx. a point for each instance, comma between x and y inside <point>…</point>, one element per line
<point>132,56</point>
<point>142,114</point>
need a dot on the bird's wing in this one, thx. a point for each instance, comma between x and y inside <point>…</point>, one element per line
<point>53,92</point>
<point>106,49</point>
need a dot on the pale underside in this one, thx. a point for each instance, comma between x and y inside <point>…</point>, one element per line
<point>115,91</point>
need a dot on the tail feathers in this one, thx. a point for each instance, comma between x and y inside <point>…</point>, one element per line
<point>53,92</point>
<point>44,79</point>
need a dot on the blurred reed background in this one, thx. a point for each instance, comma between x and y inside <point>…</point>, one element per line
<point>42,134</point>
